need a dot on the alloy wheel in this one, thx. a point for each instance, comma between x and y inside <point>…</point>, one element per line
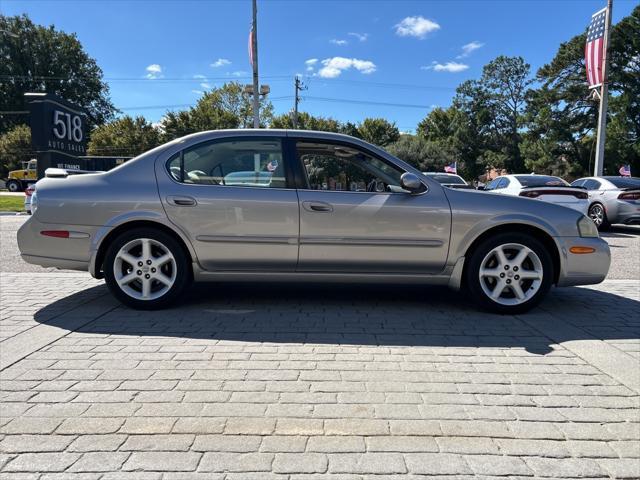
<point>511,274</point>
<point>145,269</point>
<point>596,213</point>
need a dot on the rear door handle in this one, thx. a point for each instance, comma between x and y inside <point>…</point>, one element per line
<point>321,207</point>
<point>179,201</point>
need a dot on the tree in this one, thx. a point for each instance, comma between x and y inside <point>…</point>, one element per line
<point>306,121</point>
<point>41,59</point>
<point>378,131</point>
<point>125,136</point>
<point>222,107</point>
<point>506,82</point>
<point>15,147</point>
<point>426,155</point>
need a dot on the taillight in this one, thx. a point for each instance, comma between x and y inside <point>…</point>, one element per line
<point>629,196</point>
<point>530,194</point>
<point>55,233</point>
<point>537,193</point>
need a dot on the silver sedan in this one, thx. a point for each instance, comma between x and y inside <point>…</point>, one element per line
<point>277,205</point>
<point>612,200</point>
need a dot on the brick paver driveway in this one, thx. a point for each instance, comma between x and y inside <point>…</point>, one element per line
<point>291,382</point>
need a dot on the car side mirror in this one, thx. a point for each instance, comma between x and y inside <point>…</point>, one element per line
<point>410,181</point>
<point>481,187</point>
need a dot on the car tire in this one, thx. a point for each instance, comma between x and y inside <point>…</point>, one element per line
<point>509,273</point>
<point>146,269</point>
<point>598,214</point>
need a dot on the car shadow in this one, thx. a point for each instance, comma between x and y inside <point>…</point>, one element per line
<point>392,315</point>
<point>621,231</point>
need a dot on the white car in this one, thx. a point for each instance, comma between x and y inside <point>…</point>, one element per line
<point>541,187</point>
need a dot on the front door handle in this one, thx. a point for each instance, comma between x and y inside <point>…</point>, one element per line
<point>321,207</point>
<point>180,201</point>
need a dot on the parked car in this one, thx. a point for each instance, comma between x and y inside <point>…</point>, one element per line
<point>317,206</point>
<point>28,192</point>
<point>450,180</point>
<point>541,187</point>
<point>612,200</point>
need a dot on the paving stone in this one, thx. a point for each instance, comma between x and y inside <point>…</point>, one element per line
<point>467,445</point>
<point>283,443</point>
<point>146,425</point>
<point>236,462</point>
<point>163,461</point>
<point>158,442</point>
<point>97,443</point>
<point>41,462</point>
<point>497,465</point>
<point>335,444</point>
<point>300,463</point>
<point>99,462</point>
<point>34,443</point>
<point>621,467</point>
<point>437,464</point>
<point>227,443</point>
<point>565,467</point>
<point>367,463</point>
<point>88,425</point>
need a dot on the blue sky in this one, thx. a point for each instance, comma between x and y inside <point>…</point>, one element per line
<point>162,53</point>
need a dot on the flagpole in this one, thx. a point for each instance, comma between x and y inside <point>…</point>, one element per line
<point>604,96</point>
<point>254,50</point>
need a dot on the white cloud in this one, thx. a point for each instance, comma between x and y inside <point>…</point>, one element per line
<point>469,48</point>
<point>338,42</point>
<point>239,73</point>
<point>199,77</point>
<point>221,62</point>
<point>311,64</point>
<point>417,26</point>
<point>154,71</point>
<point>197,92</point>
<point>360,36</point>
<point>205,85</point>
<point>333,67</point>
<point>451,67</point>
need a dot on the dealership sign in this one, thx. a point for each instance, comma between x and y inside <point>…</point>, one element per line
<point>57,126</point>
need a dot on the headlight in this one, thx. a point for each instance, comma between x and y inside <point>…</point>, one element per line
<point>586,227</point>
<point>34,202</point>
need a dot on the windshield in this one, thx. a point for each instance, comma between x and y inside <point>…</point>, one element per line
<point>625,182</point>
<point>541,181</point>
<point>441,178</point>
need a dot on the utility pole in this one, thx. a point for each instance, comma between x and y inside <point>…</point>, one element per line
<point>299,86</point>
<point>604,96</point>
<point>254,61</point>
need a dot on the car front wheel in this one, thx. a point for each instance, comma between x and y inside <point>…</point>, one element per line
<point>146,269</point>
<point>509,273</point>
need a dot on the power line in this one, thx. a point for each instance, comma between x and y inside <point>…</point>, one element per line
<point>365,102</point>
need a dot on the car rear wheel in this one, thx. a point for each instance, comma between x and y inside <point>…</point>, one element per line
<point>598,214</point>
<point>509,273</point>
<point>146,269</point>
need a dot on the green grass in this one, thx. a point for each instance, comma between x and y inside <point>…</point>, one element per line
<point>11,203</point>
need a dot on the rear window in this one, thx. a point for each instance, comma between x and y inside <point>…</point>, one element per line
<point>541,181</point>
<point>450,179</point>
<point>622,182</point>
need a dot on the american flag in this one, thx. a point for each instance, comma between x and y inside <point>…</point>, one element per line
<point>452,168</point>
<point>625,170</point>
<point>594,49</point>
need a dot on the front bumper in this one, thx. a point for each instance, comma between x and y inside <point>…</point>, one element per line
<point>583,269</point>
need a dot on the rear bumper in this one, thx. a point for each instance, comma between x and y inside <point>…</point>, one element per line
<point>65,253</point>
<point>583,269</point>
<point>627,213</point>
